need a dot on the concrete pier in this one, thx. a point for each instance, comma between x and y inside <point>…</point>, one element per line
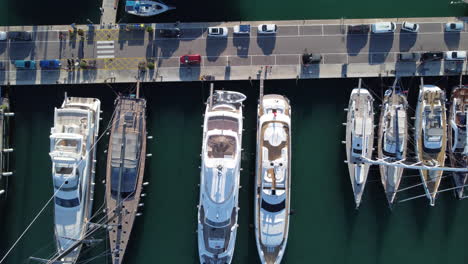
<point>117,51</point>
<point>109,11</point>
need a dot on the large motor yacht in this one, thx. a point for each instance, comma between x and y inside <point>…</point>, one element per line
<point>125,169</point>
<point>220,175</point>
<point>393,136</point>
<point>359,139</point>
<point>273,177</point>
<point>431,137</point>
<point>73,150</point>
<point>458,144</point>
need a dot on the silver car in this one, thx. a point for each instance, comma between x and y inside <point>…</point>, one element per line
<point>411,27</point>
<point>454,26</point>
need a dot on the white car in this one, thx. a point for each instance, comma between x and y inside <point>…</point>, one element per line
<point>411,27</point>
<point>455,55</point>
<point>217,31</point>
<point>455,26</point>
<point>267,29</point>
<point>3,35</point>
<point>383,27</point>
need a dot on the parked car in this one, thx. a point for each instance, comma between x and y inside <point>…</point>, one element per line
<point>3,35</point>
<point>170,33</point>
<point>25,64</point>
<point>50,64</point>
<point>411,27</point>
<point>242,29</point>
<point>432,56</point>
<point>190,59</point>
<point>19,35</point>
<point>383,27</point>
<point>217,32</point>
<point>267,29</point>
<point>358,29</point>
<point>455,55</point>
<point>409,56</point>
<point>454,26</point>
<point>311,58</point>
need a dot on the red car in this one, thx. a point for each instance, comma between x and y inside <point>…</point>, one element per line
<point>190,59</point>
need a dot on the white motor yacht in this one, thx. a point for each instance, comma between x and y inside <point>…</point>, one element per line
<point>220,175</point>
<point>359,139</point>
<point>72,150</point>
<point>273,177</point>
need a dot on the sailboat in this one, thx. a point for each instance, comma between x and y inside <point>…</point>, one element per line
<point>359,139</point>
<point>392,142</point>
<point>146,8</point>
<point>220,175</point>
<point>431,137</point>
<point>273,177</point>
<point>125,169</point>
<point>73,152</point>
<point>457,136</point>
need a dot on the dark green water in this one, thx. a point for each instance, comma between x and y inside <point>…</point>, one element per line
<point>50,12</point>
<point>325,227</point>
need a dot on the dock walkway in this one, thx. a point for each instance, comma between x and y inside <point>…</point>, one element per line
<point>109,11</point>
<point>117,51</point>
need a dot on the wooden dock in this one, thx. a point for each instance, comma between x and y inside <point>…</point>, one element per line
<point>109,11</point>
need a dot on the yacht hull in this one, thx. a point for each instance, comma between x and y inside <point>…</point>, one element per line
<point>129,121</point>
<point>430,98</point>
<point>393,119</point>
<point>359,134</point>
<point>457,137</point>
<point>272,221</point>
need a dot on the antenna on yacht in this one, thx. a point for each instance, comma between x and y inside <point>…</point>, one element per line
<point>422,81</point>
<point>395,125</point>
<point>211,94</point>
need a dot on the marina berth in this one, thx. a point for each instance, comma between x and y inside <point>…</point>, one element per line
<point>431,137</point>
<point>359,139</point>
<point>125,170</point>
<point>273,177</point>
<point>457,137</point>
<point>392,142</point>
<point>73,152</point>
<point>219,177</point>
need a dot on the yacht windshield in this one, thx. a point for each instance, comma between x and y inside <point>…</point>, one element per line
<point>63,170</point>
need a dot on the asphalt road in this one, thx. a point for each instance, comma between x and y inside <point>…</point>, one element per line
<point>283,48</point>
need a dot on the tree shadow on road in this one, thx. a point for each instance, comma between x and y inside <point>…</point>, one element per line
<point>355,42</point>
<point>407,40</point>
<point>452,40</point>
<point>266,43</point>
<point>214,47</point>
<point>380,44</point>
<point>242,45</point>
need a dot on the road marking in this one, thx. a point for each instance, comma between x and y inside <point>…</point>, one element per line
<point>106,49</point>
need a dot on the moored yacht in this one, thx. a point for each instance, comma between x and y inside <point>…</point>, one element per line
<point>392,142</point>
<point>73,151</point>
<point>431,137</point>
<point>146,8</point>
<point>125,169</point>
<point>458,143</point>
<point>359,139</point>
<point>219,179</point>
<point>273,177</point>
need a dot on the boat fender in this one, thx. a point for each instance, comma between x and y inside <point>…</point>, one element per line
<point>7,173</point>
<point>139,214</point>
<point>145,183</point>
<point>344,124</point>
<point>8,150</point>
<point>346,161</point>
<point>343,142</point>
<point>149,137</point>
<point>141,204</point>
<point>9,114</point>
<point>346,109</point>
<point>2,192</point>
<point>143,194</point>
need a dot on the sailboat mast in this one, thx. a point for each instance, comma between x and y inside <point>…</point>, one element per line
<point>211,95</point>
<point>118,210</point>
<point>395,125</point>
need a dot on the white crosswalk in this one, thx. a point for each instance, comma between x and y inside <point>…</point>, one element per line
<point>105,49</point>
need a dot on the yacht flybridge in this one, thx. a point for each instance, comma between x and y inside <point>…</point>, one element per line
<point>393,136</point>
<point>359,139</point>
<point>125,169</point>
<point>273,177</point>
<point>73,151</point>
<point>431,137</point>
<point>220,175</point>
<point>458,143</point>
